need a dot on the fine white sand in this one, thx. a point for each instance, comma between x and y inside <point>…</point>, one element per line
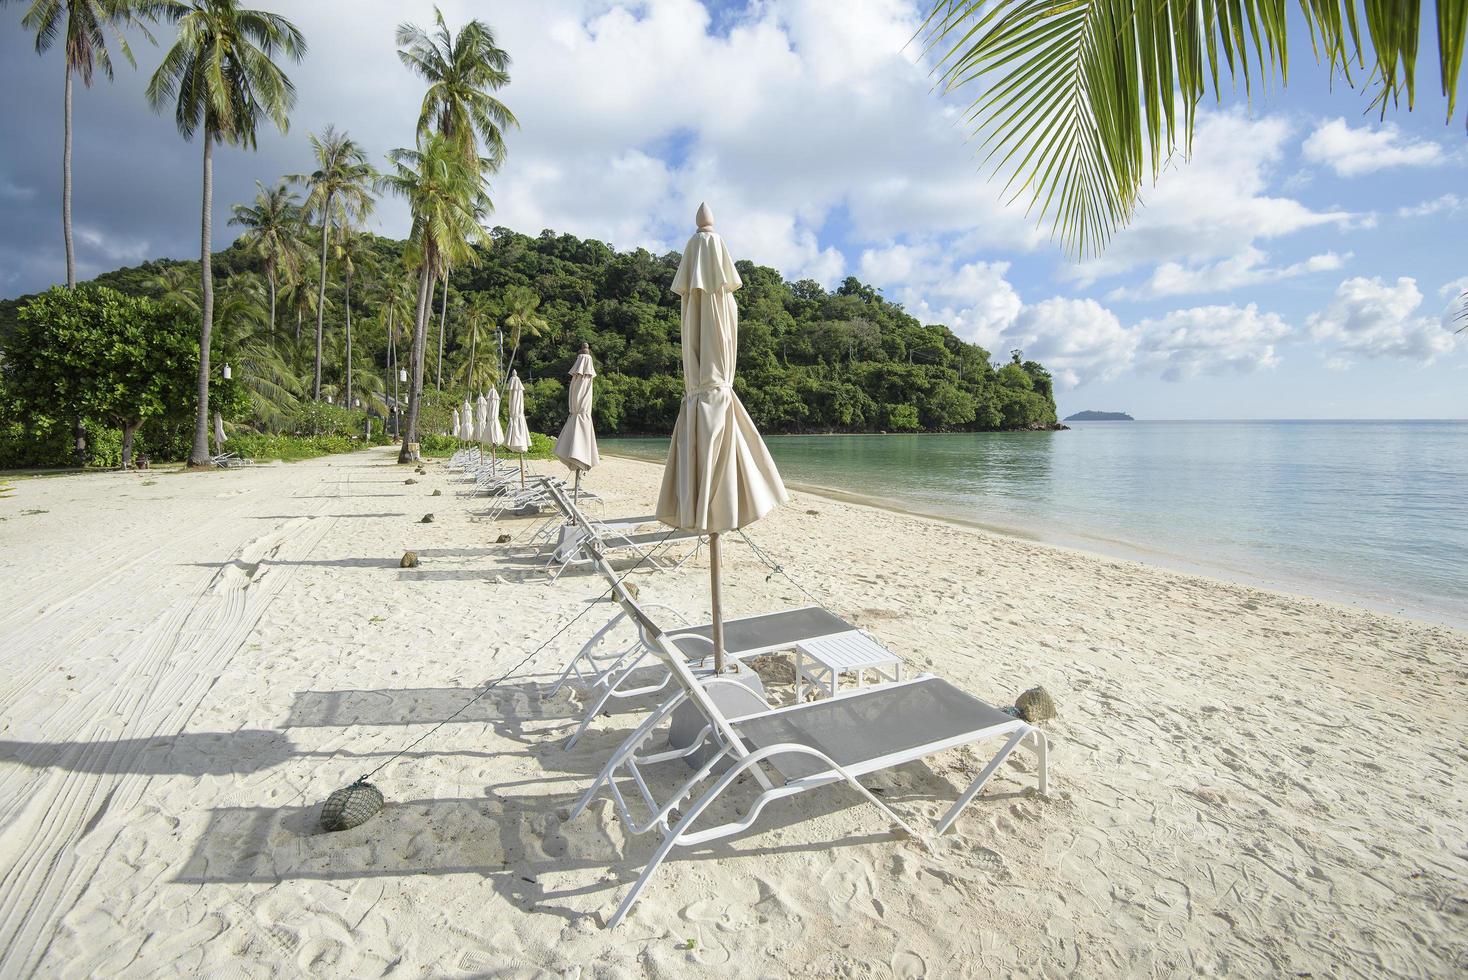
<point>1243,782</point>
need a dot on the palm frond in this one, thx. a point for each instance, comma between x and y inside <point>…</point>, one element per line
<point>1080,101</point>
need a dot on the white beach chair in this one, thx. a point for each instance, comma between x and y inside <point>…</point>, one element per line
<point>611,535</point>
<point>791,750</point>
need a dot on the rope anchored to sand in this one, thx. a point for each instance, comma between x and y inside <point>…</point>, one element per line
<point>357,803</point>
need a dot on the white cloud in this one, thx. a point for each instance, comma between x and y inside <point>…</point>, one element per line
<point>1079,340</point>
<point>1210,340</point>
<point>1449,203</point>
<point>1214,207</point>
<point>1353,152</point>
<point>973,299</point>
<point>1374,318</point>
<point>1247,268</point>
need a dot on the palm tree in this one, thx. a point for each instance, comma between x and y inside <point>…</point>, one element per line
<point>1080,100</point>
<point>87,23</point>
<point>354,255</point>
<point>463,72</point>
<point>479,314</point>
<point>272,223</point>
<point>523,318</point>
<point>446,197</point>
<point>175,284</point>
<point>220,77</point>
<point>340,190</point>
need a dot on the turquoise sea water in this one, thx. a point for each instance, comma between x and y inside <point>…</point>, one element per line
<point>1372,513</point>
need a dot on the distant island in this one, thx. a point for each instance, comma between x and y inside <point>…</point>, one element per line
<point>1099,417</point>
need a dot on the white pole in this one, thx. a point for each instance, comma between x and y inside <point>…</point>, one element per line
<point>716,600</point>
<point>576,498</point>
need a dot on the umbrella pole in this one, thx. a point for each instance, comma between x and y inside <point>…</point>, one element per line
<point>522,471</point>
<point>576,496</point>
<point>716,601</point>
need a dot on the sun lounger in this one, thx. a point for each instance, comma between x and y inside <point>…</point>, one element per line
<point>578,529</point>
<point>607,677</point>
<point>792,750</point>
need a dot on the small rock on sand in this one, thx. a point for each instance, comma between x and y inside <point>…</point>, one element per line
<point>1035,705</point>
<point>410,481</point>
<point>410,560</point>
<point>502,539</point>
<point>427,519</point>
<point>436,493</point>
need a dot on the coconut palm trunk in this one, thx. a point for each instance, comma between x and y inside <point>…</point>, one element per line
<point>416,362</point>
<point>443,316</point>
<point>199,455</point>
<point>321,294</point>
<point>270,277</point>
<point>66,185</point>
<point>347,305</point>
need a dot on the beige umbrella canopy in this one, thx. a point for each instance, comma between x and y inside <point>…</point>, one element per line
<point>518,441</point>
<point>719,476</point>
<point>481,419</point>
<point>496,435</point>
<point>576,446</point>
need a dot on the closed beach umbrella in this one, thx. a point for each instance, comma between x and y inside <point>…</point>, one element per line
<point>454,431</point>
<point>576,446</point>
<point>481,419</point>
<point>218,433</point>
<point>518,441</point>
<point>466,420</point>
<point>719,476</point>
<point>496,431</point>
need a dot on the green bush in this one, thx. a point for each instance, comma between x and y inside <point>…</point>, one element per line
<point>322,419</point>
<point>292,448</point>
<point>436,446</point>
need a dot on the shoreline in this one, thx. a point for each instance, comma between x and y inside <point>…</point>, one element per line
<point>1108,549</point>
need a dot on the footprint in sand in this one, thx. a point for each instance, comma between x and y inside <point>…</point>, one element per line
<point>908,965</point>
<point>848,885</point>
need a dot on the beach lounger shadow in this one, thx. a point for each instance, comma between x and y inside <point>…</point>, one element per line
<point>511,839</point>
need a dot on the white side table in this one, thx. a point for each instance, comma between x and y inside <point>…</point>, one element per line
<point>822,661</point>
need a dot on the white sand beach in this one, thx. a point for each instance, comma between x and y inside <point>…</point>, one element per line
<point>1242,782</point>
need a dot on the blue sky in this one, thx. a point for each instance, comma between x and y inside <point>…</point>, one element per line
<point>1299,265</point>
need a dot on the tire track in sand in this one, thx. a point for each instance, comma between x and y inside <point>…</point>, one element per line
<point>157,683</point>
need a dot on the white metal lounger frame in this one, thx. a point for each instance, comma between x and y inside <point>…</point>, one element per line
<point>608,538</point>
<point>731,750</point>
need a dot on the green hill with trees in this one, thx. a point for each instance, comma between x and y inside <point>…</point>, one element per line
<point>810,360</point>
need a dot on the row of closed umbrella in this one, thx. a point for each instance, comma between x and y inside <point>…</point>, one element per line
<point>479,420</point>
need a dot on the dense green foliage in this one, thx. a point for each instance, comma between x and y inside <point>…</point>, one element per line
<point>809,359</point>
<point>115,363</point>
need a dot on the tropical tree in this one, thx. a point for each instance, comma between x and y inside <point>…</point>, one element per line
<point>272,224</point>
<point>478,319</point>
<point>353,256</point>
<point>221,78</point>
<point>1079,101</point>
<point>85,25</point>
<point>463,72</point>
<point>95,353</point>
<point>175,284</point>
<point>523,317</point>
<point>446,197</point>
<point>339,190</point>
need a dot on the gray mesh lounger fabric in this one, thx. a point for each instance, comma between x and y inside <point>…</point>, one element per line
<point>771,631</point>
<point>878,722</point>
